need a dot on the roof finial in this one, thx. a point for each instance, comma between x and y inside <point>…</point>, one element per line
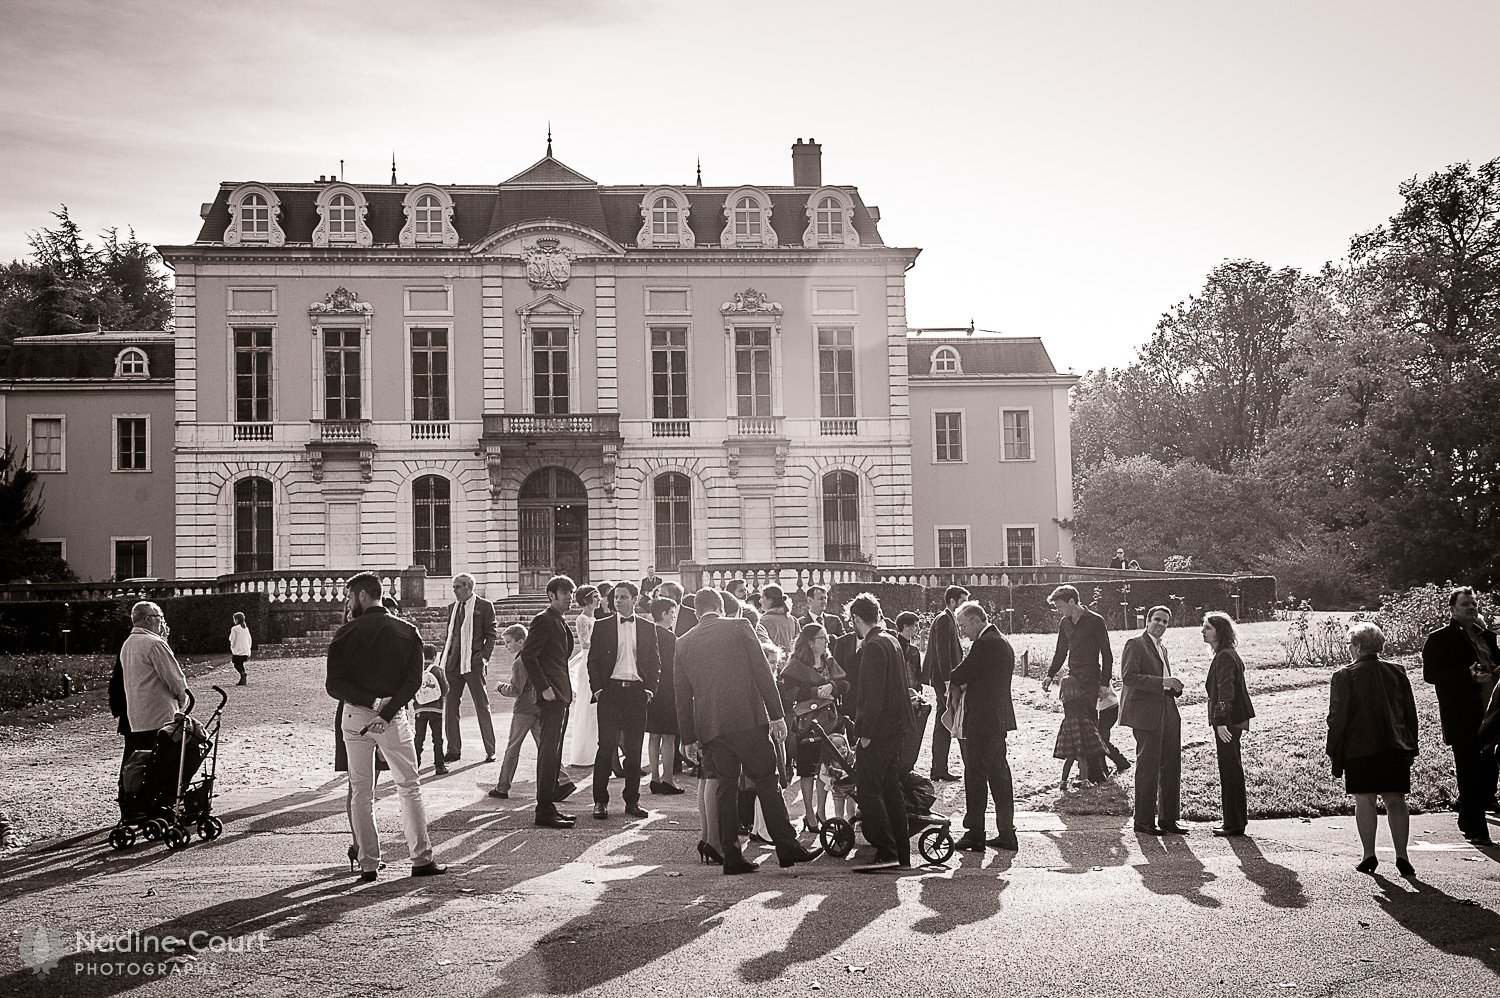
<point>393,168</point>
<point>700,171</point>
<point>549,139</point>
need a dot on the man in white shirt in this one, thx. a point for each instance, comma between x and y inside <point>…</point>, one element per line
<point>624,666</point>
<point>1148,706</point>
<point>471,640</point>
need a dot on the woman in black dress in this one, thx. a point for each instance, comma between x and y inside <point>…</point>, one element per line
<point>1229,714</point>
<point>1372,739</point>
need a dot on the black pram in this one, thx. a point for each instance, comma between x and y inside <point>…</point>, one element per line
<point>159,797</point>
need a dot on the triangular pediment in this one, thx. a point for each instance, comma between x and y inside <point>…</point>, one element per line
<point>549,304</point>
<point>549,171</point>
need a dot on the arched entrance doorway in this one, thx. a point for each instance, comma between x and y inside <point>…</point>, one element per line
<point>553,509</point>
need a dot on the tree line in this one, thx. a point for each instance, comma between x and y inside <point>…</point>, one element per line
<point>1340,430</point>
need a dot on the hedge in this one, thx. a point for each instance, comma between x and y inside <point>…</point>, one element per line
<point>1031,613</point>
<point>200,624</point>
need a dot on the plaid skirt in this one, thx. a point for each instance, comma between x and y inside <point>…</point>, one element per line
<point>1078,738</point>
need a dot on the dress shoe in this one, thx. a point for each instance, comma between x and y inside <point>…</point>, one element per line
<point>366,876</point>
<point>564,791</point>
<point>490,757</point>
<point>499,794</point>
<point>636,811</point>
<point>567,817</point>
<point>734,867</point>
<point>1479,839</point>
<point>669,789</point>
<point>943,777</point>
<point>555,821</point>
<point>799,855</point>
<point>655,787</point>
<point>600,812</point>
<point>1174,829</point>
<point>1004,841</point>
<point>1147,830</point>
<point>970,842</point>
<point>439,770</point>
<point>452,757</point>
<point>1228,833</point>
<point>428,870</point>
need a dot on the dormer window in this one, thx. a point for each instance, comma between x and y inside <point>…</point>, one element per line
<point>945,361</point>
<point>341,216</point>
<point>429,216</point>
<point>830,221</point>
<point>131,363</point>
<point>664,220</point>
<point>255,216</point>
<point>747,220</point>
<point>343,209</point>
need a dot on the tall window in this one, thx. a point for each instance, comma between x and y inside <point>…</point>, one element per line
<point>130,444</point>
<point>841,517</point>
<point>341,215</point>
<point>829,219</point>
<point>341,387</point>
<point>549,356</point>
<point>432,524</point>
<point>132,558</point>
<point>47,444</point>
<point>836,372</point>
<point>752,371</point>
<point>674,521</point>
<point>429,216</point>
<point>1016,427</point>
<point>1020,545</point>
<point>255,215</point>
<point>747,220</point>
<point>252,375</point>
<point>669,374</point>
<point>666,219</point>
<point>948,436</point>
<point>253,529</point>
<point>429,374</point>
<point>952,547</point>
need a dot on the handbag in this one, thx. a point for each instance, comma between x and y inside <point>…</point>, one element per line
<point>818,710</point>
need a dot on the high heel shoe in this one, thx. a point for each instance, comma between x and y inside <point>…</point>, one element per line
<point>708,854</point>
<point>811,827</point>
<point>353,858</point>
<point>1368,864</point>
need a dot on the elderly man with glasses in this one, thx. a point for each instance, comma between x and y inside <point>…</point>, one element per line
<point>155,686</point>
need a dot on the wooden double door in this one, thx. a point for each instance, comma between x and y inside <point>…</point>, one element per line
<point>553,518</point>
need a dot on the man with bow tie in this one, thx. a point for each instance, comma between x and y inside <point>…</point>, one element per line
<point>624,667</point>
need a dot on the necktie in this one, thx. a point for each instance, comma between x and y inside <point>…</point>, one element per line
<point>1165,664</point>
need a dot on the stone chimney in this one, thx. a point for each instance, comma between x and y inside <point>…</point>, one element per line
<point>807,164</point>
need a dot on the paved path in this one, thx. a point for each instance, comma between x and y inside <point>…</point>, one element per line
<point>620,908</point>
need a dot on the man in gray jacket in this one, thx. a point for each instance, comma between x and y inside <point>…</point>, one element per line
<point>728,710</point>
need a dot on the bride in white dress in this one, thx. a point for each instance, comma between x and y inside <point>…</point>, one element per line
<point>583,719</point>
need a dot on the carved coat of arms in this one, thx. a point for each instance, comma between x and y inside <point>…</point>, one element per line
<point>549,265</point>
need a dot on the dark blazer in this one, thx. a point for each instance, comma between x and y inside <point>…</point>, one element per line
<point>1447,655</point>
<point>1370,710</point>
<point>686,618</point>
<point>1228,696</point>
<point>604,648</point>
<point>486,633</point>
<point>1084,645</point>
<point>375,655</point>
<point>1142,698</point>
<point>884,705</point>
<point>723,681</point>
<point>985,674</point>
<point>544,657</point>
<point>845,651</point>
<point>832,623</point>
<point>913,663</point>
<point>943,649</point>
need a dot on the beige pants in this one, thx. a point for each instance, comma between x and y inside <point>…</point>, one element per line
<point>396,746</point>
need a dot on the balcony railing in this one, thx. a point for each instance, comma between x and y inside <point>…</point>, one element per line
<point>338,430</point>
<point>838,426</point>
<point>670,428</point>
<point>583,424</point>
<point>755,426</point>
<point>790,575</point>
<point>425,429</point>
<point>253,431</point>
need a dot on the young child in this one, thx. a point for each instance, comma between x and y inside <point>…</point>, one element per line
<point>428,703</point>
<point>835,780</point>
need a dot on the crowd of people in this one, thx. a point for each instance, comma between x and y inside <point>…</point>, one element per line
<point>732,689</point>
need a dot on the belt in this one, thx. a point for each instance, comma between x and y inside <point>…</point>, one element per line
<point>627,682</point>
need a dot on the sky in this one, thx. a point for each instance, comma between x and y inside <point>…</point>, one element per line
<point>1070,169</point>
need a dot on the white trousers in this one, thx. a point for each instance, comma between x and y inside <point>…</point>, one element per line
<point>401,755</point>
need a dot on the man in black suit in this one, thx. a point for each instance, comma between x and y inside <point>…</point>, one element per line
<point>984,676</point>
<point>686,618</point>
<point>549,645</point>
<point>1148,706</point>
<point>943,653</point>
<point>728,710</point>
<point>817,612</point>
<point>623,665</point>
<point>886,726</point>
<point>1462,661</point>
<point>471,640</point>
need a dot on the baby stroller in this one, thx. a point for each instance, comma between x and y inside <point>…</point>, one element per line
<point>933,831</point>
<point>159,797</point>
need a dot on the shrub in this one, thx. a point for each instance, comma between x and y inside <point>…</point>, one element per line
<point>35,678</point>
<point>1408,616</point>
<point>200,624</point>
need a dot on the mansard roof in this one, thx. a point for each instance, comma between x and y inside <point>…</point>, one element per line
<point>981,355</point>
<point>546,189</point>
<point>87,356</point>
